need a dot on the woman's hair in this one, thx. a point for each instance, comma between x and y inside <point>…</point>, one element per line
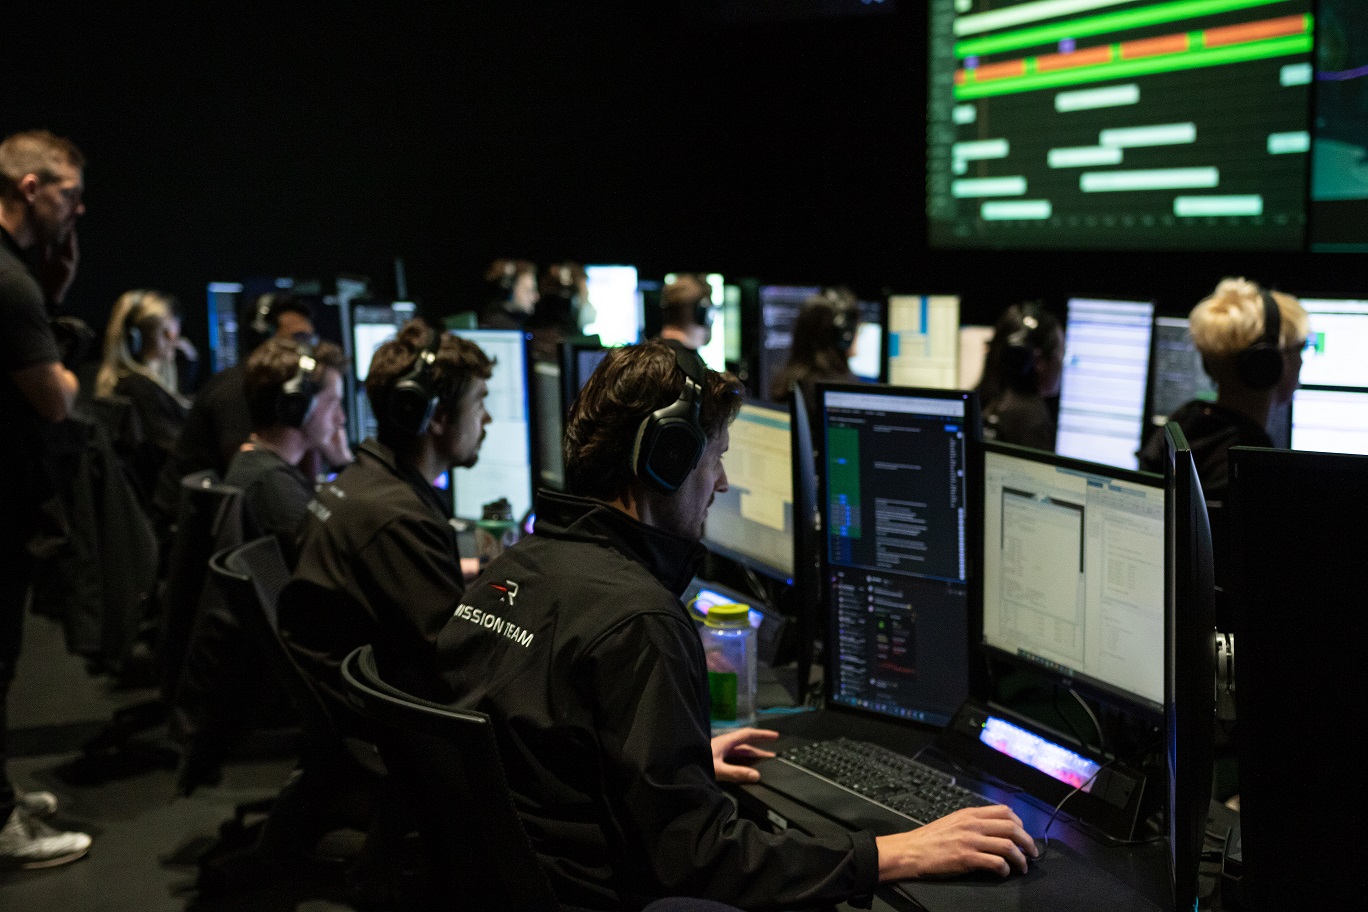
<point>622,392</point>
<point>1024,334</point>
<point>459,363</point>
<point>134,327</point>
<point>1231,319</point>
<point>822,336</point>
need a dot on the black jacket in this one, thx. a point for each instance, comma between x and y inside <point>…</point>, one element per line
<point>1211,430</point>
<point>378,564</point>
<point>576,644</point>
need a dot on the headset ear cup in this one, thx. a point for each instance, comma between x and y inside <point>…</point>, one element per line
<point>135,341</point>
<point>668,448</point>
<point>1261,365</point>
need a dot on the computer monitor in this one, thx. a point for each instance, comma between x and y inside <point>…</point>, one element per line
<point>731,316</point>
<point>372,325</point>
<point>973,354</point>
<point>1098,124</point>
<point>548,409</point>
<point>899,466</point>
<point>1296,525</point>
<point>1330,421</point>
<point>1189,665</point>
<point>1102,397</point>
<point>924,341</point>
<point>225,305</point>
<point>1073,573</point>
<point>753,521</point>
<point>868,361</point>
<point>578,361</point>
<point>714,354</point>
<point>808,595</point>
<point>616,304</point>
<point>779,307</point>
<point>1335,349</point>
<point>504,468</point>
<point>1176,373</point>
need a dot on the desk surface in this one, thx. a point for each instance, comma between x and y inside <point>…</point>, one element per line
<point>1142,868</point>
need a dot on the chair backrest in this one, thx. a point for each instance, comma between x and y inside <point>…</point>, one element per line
<point>447,762</point>
<point>208,520</point>
<point>253,575</point>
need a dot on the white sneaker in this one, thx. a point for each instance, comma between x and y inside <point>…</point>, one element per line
<point>38,804</point>
<point>29,843</point>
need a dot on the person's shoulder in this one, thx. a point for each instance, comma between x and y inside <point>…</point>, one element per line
<point>20,293</point>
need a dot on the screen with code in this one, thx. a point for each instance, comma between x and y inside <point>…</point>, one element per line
<point>1119,124</point>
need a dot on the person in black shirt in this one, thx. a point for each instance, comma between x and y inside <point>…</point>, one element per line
<point>1224,327</point>
<point>512,295</point>
<point>218,422</point>
<point>823,344</point>
<point>576,645</point>
<point>41,184</point>
<point>294,395</point>
<point>1023,369</point>
<point>378,558</point>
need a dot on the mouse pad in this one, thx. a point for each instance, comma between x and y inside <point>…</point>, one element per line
<point>1062,881</point>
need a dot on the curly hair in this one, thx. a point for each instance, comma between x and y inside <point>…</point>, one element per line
<point>270,367</point>
<point>623,391</point>
<point>459,363</point>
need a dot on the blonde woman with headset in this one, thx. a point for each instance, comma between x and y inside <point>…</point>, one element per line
<point>139,365</point>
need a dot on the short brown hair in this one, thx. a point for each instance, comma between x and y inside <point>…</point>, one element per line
<point>680,299</point>
<point>459,363</point>
<point>35,152</point>
<point>271,366</point>
<point>623,391</point>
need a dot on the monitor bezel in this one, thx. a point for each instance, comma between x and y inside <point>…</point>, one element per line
<point>1133,704</point>
<point>757,564</point>
<point>973,465</point>
<point>569,359</point>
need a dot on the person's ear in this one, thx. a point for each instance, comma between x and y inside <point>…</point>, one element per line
<point>28,187</point>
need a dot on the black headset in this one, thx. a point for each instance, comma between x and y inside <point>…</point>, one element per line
<point>703,308</point>
<point>504,283</point>
<point>1019,352</point>
<point>844,317</point>
<point>298,396</point>
<point>133,336</point>
<point>1260,366</point>
<point>670,441</point>
<point>413,400</point>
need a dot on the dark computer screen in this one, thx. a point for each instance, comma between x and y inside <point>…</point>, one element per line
<point>1102,396</point>
<point>224,307</point>
<point>1118,124</point>
<point>549,410</point>
<point>1339,176</point>
<point>372,325</point>
<point>779,306</point>
<point>1073,572</point>
<point>1176,375</point>
<point>894,503</point>
<point>504,468</point>
<point>587,361</point>
<point>752,521</point>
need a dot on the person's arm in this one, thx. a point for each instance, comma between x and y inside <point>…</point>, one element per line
<point>57,269</point>
<point>973,839</point>
<point>679,831</point>
<point>49,387</point>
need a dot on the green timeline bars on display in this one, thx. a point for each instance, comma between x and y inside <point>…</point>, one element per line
<point>843,479</point>
<point>1102,25</point>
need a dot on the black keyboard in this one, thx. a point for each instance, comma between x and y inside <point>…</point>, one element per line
<point>886,777</point>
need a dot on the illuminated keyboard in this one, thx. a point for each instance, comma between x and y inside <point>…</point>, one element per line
<point>885,777</point>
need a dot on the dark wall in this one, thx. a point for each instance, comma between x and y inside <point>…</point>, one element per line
<point>333,137</point>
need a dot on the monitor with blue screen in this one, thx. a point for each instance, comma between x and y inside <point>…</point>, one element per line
<point>752,521</point>
<point>1102,396</point>
<point>616,304</point>
<point>924,341</point>
<point>504,468</point>
<point>372,325</point>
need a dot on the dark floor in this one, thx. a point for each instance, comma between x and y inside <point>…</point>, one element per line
<point>145,839</point>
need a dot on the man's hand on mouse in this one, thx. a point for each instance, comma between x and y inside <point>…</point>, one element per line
<point>975,839</point>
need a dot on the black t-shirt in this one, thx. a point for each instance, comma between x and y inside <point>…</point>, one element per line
<point>217,425</point>
<point>275,497</point>
<point>1020,419</point>
<point>160,417</point>
<point>1211,429</point>
<point>26,339</point>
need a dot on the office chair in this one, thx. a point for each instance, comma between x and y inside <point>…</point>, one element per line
<point>340,782</point>
<point>448,762</point>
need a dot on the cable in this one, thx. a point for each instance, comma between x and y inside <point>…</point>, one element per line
<point>1101,735</point>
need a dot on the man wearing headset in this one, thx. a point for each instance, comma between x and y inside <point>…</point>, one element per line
<point>378,560</point>
<point>686,311</point>
<point>575,643</point>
